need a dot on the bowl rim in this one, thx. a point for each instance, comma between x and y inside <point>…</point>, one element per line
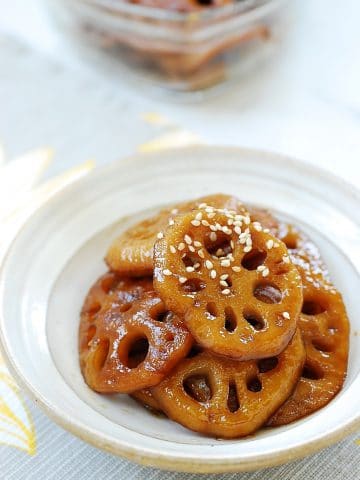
<point>174,460</point>
<point>246,8</point>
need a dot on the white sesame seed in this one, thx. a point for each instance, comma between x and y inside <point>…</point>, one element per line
<point>196,265</point>
<point>226,291</point>
<point>237,230</point>
<point>248,248</point>
<point>182,279</point>
<point>230,221</point>
<point>223,283</point>
<point>213,274</point>
<point>265,272</point>
<point>211,215</point>
<point>181,246</point>
<point>167,272</point>
<point>213,228</point>
<point>286,259</point>
<point>248,241</point>
<point>198,216</point>
<point>197,244</point>
<point>225,263</point>
<point>171,222</point>
<point>224,276</point>
<point>160,235</point>
<point>286,315</point>
<point>242,240</point>
<point>260,268</point>
<point>270,244</point>
<point>238,223</point>
<point>276,245</point>
<point>213,236</point>
<point>218,226</point>
<point>172,249</point>
<point>196,223</point>
<point>190,269</point>
<point>175,211</point>
<point>205,223</point>
<point>209,209</point>
<point>191,248</point>
<point>247,220</point>
<point>232,244</point>
<point>236,269</point>
<point>209,265</point>
<point>203,205</point>
<point>266,230</point>
<point>219,252</point>
<point>201,254</point>
<point>188,239</point>
<point>257,226</point>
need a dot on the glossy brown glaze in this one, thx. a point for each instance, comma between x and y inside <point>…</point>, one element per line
<point>132,341</point>
<point>226,398</point>
<point>325,330</point>
<point>132,252</point>
<point>147,399</point>
<point>246,313</point>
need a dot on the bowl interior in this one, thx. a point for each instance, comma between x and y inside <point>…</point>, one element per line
<point>61,250</point>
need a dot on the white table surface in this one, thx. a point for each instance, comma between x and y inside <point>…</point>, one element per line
<point>306,105</point>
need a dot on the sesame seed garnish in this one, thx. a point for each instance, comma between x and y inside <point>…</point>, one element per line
<point>226,291</point>
<point>191,248</point>
<point>237,230</point>
<point>181,246</point>
<point>174,211</point>
<point>198,216</point>
<point>197,243</point>
<point>213,228</point>
<point>202,205</point>
<point>247,220</point>
<point>230,221</point>
<point>160,235</point>
<point>223,283</point>
<point>182,279</point>
<point>270,244</point>
<point>224,276</point>
<point>201,254</point>
<point>213,274</point>
<point>276,245</point>
<point>286,315</point>
<point>219,252</point>
<point>248,248</point>
<point>171,222</point>
<point>286,259</point>
<point>213,236</point>
<point>211,215</point>
<point>265,272</point>
<point>209,209</point>
<point>257,226</point>
<point>232,244</point>
<point>266,230</point>
<point>188,239</point>
<point>236,269</point>
<point>208,264</point>
<point>205,223</point>
<point>190,269</point>
<point>261,268</point>
<point>196,223</point>
<point>167,272</point>
<point>196,265</point>
<point>225,263</point>
<point>172,249</point>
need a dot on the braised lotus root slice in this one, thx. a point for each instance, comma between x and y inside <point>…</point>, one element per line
<point>109,289</point>
<point>233,283</point>
<point>325,330</point>
<point>135,348</point>
<point>227,398</point>
<point>132,252</point>
<point>147,399</point>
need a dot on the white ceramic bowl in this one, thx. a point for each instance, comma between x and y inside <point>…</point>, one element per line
<point>58,254</point>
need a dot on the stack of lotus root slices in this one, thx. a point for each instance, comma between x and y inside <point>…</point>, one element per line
<point>217,315</point>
